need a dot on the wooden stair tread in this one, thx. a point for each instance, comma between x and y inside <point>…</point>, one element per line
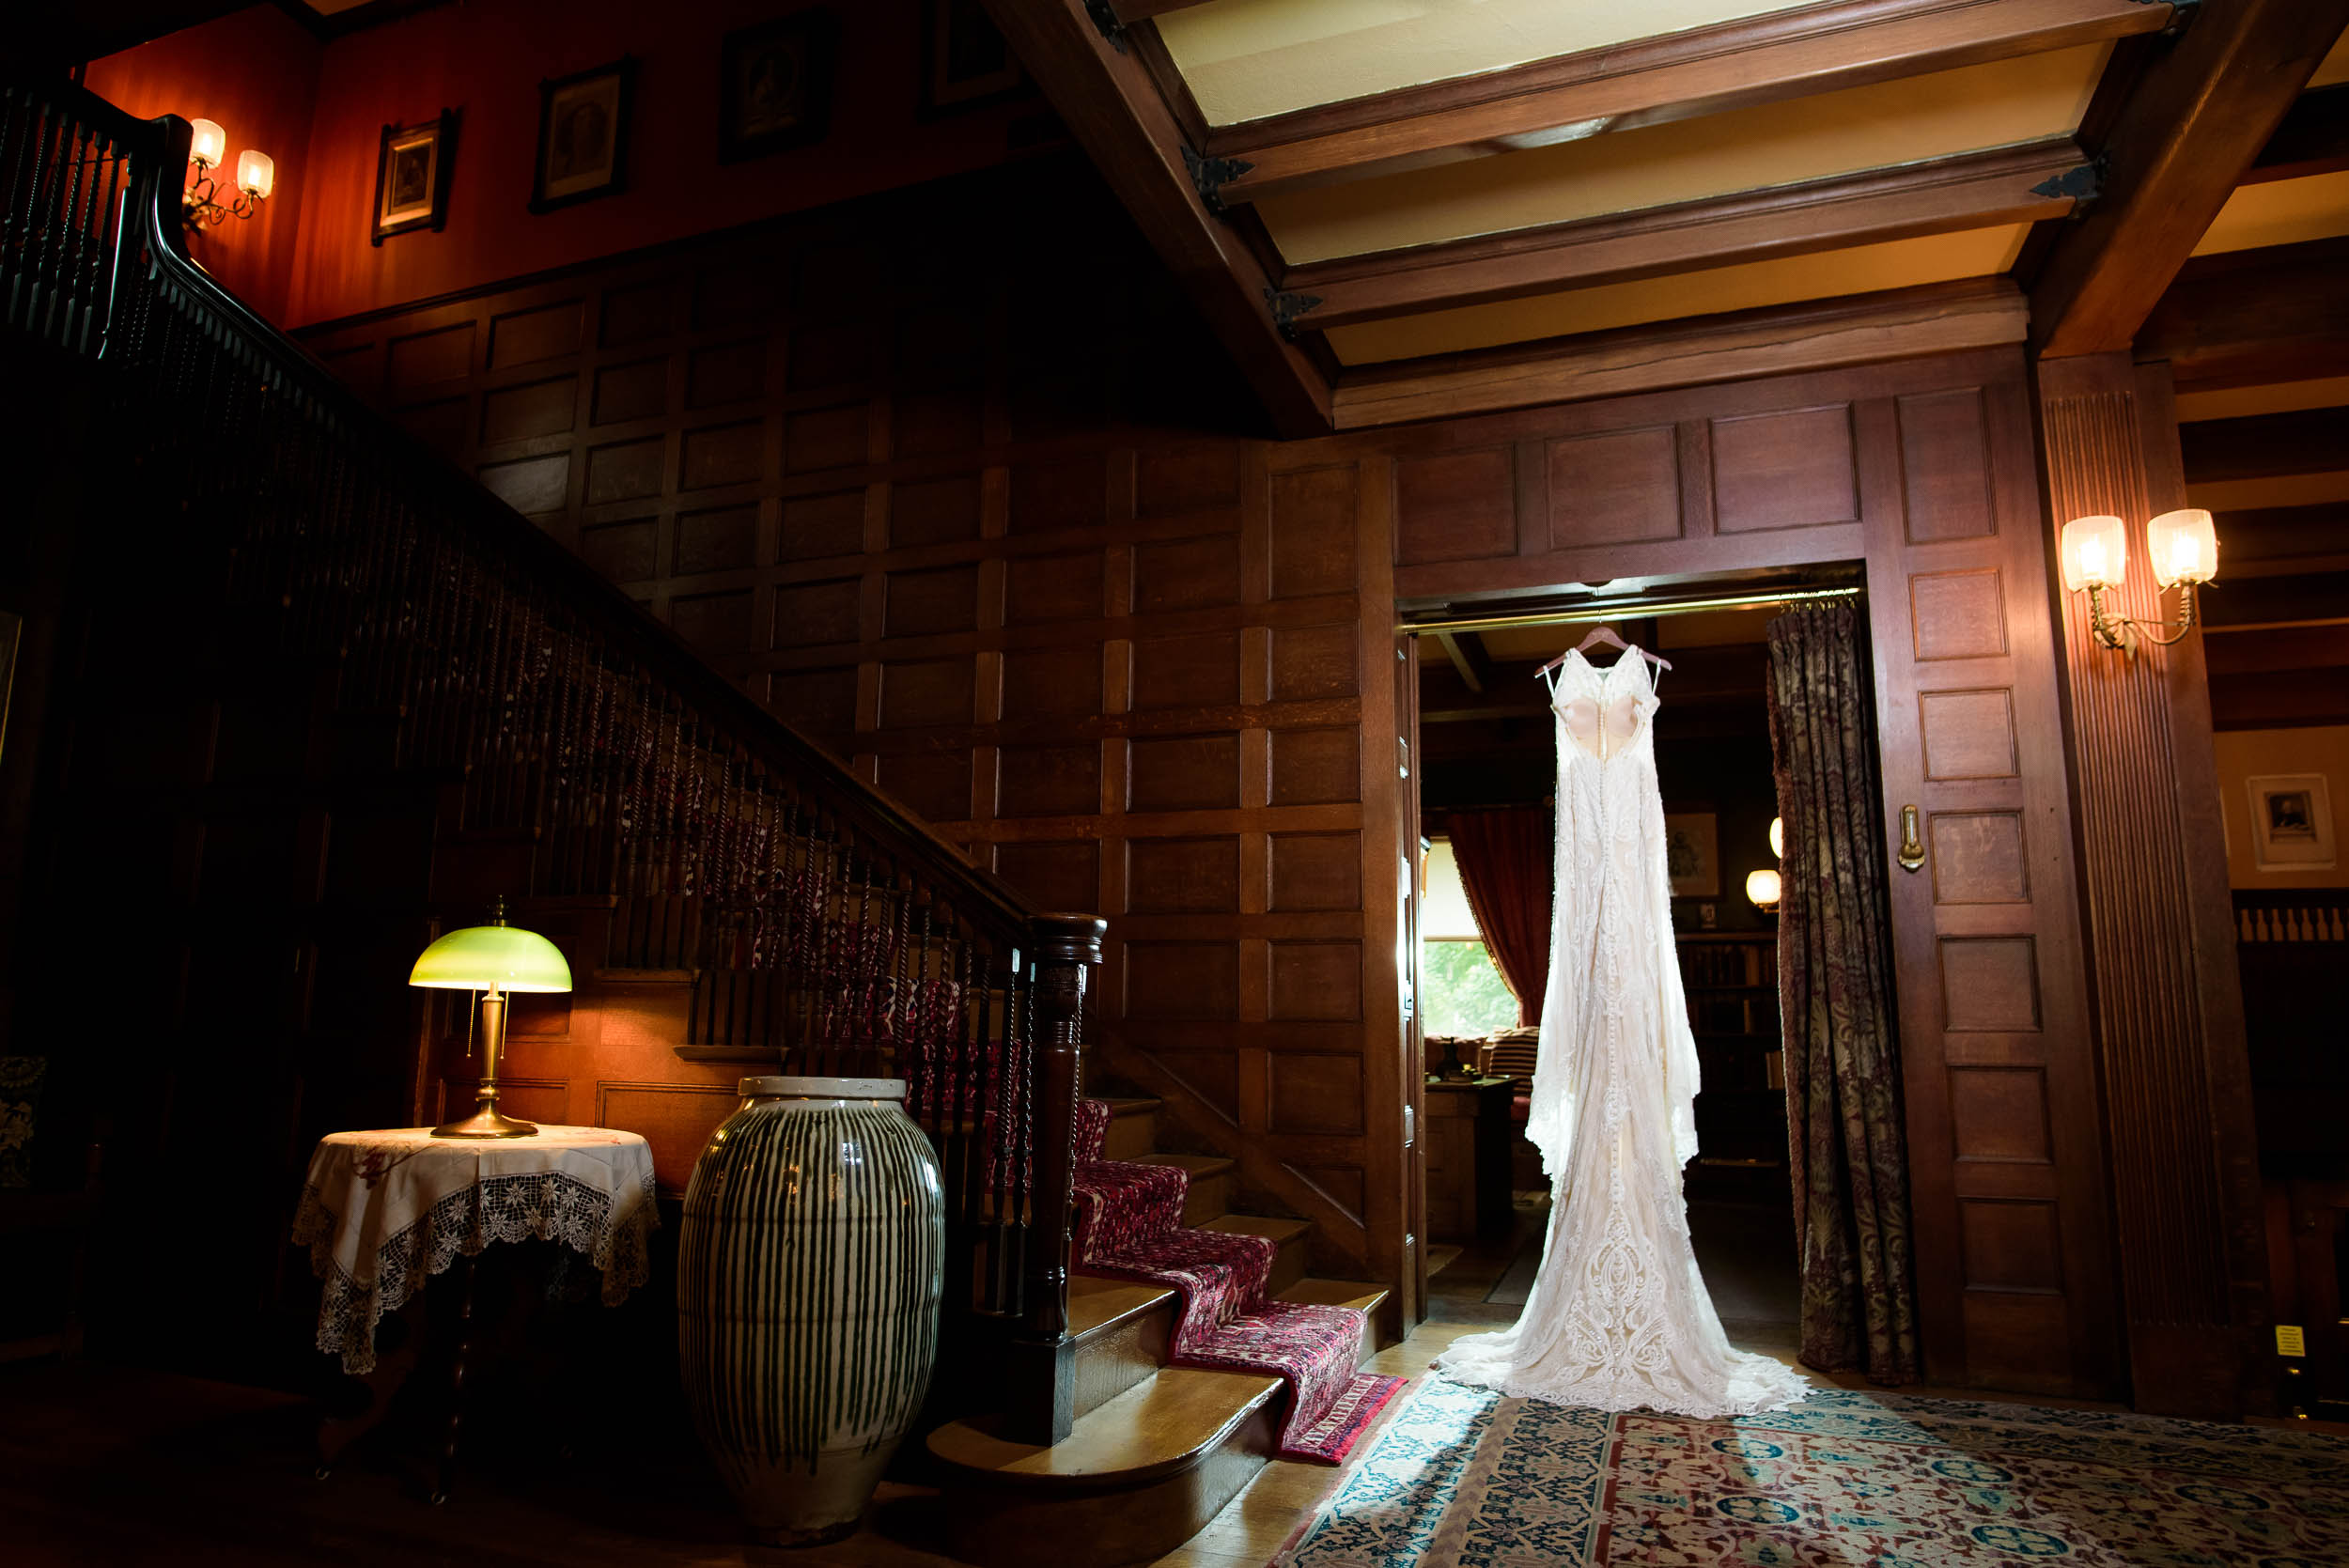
<point>1358,1293</point>
<point>1279,1231</point>
<point>1133,1108</point>
<point>1095,1304</point>
<point>1165,1424</point>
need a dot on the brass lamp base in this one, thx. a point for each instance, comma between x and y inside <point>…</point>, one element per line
<point>486,1121</point>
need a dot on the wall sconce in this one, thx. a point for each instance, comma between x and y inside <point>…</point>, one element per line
<point>2184,549</point>
<point>1763,887</point>
<point>201,204</point>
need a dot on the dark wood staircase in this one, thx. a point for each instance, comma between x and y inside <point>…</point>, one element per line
<point>1156,1451</point>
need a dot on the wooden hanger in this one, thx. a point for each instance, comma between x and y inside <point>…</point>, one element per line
<point>1602,633</point>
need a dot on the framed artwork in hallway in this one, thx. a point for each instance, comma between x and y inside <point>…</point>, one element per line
<point>965,60</point>
<point>774,85</point>
<point>1692,853</point>
<point>2291,822</point>
<point>411,172</point>
<point>583,136</point>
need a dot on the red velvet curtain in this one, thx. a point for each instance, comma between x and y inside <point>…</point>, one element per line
<point>1504,859</point>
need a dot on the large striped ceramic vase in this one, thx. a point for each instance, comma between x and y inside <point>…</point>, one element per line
<point>809,1272</point>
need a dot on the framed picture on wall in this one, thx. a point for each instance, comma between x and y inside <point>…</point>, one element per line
<point>411,172</point>
<point>2291,822</point>
<point>774,85</point>
<point>965,61</point>
<point>583,136</point>
<point>1692,853</point>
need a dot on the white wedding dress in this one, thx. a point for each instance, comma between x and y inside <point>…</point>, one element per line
<point>1619,1317</point>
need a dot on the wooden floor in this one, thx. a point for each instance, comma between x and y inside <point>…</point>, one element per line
<point>102,1464</point>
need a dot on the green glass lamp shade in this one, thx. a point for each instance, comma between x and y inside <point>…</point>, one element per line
<point>480,956</point>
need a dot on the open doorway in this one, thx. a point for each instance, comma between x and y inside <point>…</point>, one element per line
<point>1487,771</point>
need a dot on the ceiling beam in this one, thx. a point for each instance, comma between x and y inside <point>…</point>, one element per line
<point>2198,118</point>
<point>1111,105</point>
<point>2244,317</point>
<point>1973,313</point>
<point>1704,70</point>
<point>2313,139</point>
<point>2285,541</point>
<point>1979,190</point>
<point>2256,446</point>
<point>1466,652</point>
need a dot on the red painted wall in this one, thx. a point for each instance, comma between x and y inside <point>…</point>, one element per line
<point>319,110</point>
<point>255,74</point>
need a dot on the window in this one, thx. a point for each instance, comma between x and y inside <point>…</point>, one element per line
<point>1461,992</point>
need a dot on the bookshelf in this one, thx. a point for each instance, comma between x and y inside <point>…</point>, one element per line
<point>1731,981</point>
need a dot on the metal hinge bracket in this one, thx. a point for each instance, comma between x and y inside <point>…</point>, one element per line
<point>1207,176</point>
<point>2083,182</point>
<point>1105,21</point>
<point>1286,308</point>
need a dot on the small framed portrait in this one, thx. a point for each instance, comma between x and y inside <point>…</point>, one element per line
<point>412,175</point>
<point>2291,822</point>
<point>965,61</point>
<point>583,136</point>
<point>774,85</point>
<point>1692,853</point>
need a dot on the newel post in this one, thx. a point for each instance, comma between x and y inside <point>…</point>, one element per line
<point>1067,950</point>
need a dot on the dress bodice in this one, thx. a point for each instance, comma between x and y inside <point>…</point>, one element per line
<point>1603,710</point>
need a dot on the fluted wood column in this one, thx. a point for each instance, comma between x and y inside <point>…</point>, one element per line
<point>2168,1006</point>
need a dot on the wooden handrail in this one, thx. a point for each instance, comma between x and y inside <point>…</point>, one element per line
<point>293,373</point>
<point>366,551</point>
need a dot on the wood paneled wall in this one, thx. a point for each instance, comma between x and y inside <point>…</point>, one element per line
<point>1008,543</point>
<point>1925,471</point>
<point>2169,1007</point>
<point>1005,544</point>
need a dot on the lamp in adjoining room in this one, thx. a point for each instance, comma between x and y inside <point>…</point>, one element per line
<point>2185,551</point>
<point>493,959</point>
<point>257,177</point>
<point>1777,837</point>
<point>1761,889</point>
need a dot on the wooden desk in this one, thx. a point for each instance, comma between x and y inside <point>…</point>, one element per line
<point>1468,1158</point>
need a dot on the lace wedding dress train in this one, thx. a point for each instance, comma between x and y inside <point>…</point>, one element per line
<point>1619,1317</point>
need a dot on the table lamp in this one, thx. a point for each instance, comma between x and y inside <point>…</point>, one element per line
<point>492,959</point>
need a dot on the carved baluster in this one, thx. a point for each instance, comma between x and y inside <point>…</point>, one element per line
<point>1068,948</point>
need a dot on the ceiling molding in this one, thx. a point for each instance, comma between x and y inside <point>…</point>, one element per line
<point>2313,139</point>
<point>1973,313</point>
<point>1981,190</point>
<point>2244,317</point>
<point>1754,60</point>
<point>2200,117</point>
<point>1114,109</point>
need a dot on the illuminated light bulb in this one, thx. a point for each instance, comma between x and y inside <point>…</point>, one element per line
<point>1762,888</point>
<point>256,174</point>
<point>1777,837</point>
<point>208,144</point>
<point>2096,552</point>
<point>2184,546</point>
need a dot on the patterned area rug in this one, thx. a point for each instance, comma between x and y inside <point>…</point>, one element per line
<point>1130,1227</point>
<point>1460,1477</point>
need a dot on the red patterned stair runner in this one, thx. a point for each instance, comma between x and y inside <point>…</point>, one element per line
<point>1130,1227</point>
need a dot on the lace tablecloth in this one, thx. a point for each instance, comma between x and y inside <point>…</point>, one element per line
<point>382,1212</point>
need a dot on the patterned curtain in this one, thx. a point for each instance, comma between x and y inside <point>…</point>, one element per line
<point>1504,859</point>
<point>1849,1158</point>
